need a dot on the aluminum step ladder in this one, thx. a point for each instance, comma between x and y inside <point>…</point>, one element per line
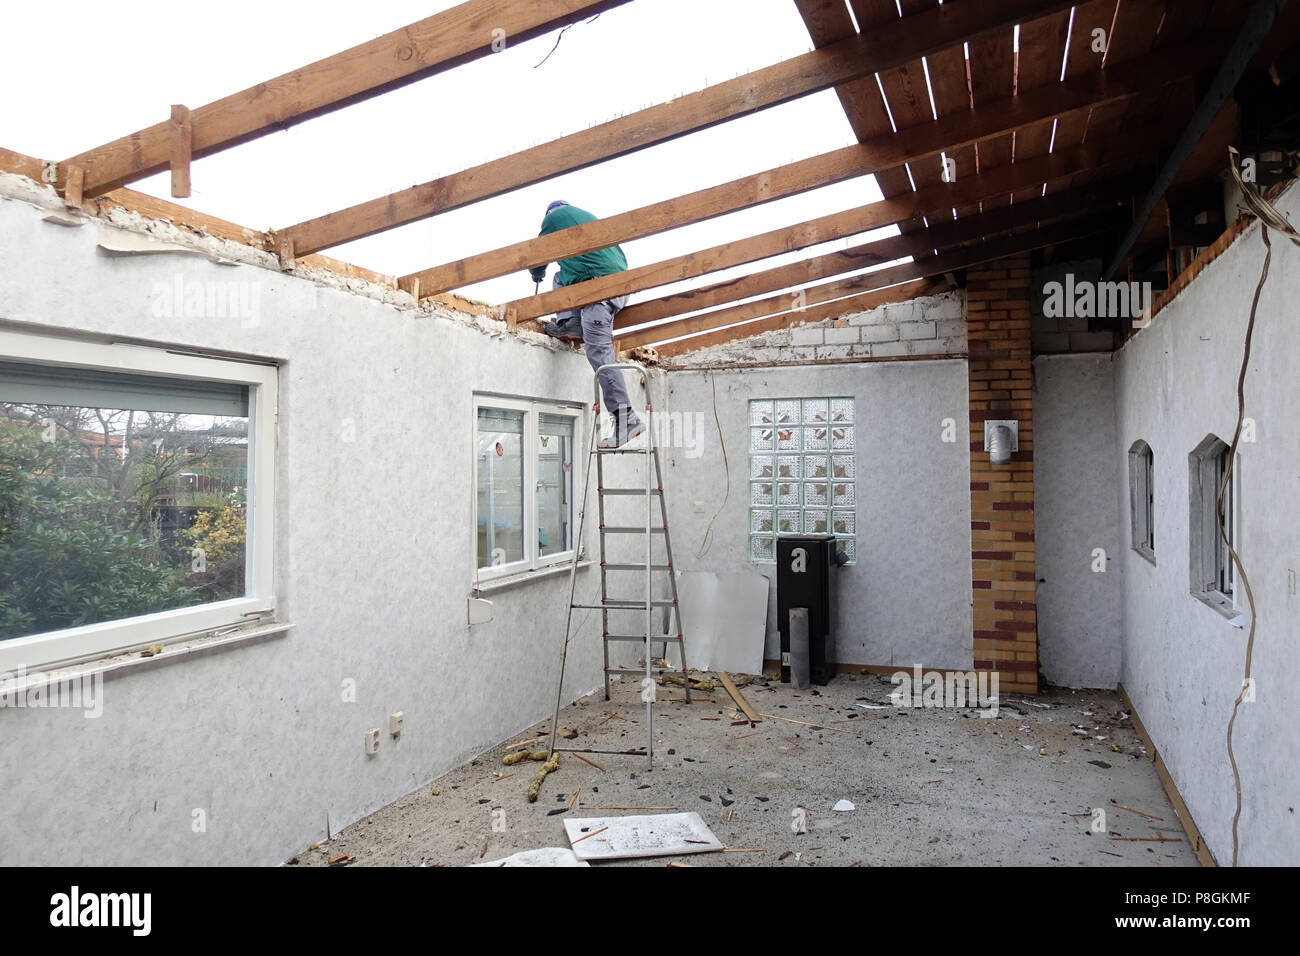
<point>624,574</point>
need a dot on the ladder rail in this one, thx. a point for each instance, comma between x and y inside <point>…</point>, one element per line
<point>573,583</point>
<point>653,488</point>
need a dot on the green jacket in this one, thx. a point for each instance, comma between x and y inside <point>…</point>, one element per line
<point>589,265</point>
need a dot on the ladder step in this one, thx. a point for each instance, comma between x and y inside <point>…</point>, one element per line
<point>623,451</point>
<point>629,491</point>
<point>618,529</point>
<point>636,567</point>
<point>610,605</point>
<point>640,638</point>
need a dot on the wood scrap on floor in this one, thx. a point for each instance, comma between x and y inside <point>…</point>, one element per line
<point>730,686</point>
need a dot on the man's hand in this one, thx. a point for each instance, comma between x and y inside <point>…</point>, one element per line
<point>538,274</point>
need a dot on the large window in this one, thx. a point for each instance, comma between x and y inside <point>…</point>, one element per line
<point>803,473</point>
<point>1141,483</point>
<point>1210,558</point>
<point>524,481</point>
<point>136,489</point>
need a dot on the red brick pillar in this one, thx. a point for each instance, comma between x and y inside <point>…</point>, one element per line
<point>1002,496</point>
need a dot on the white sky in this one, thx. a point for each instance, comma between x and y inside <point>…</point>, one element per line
<point>69,91</point>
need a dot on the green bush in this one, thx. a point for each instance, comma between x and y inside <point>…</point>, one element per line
<point>69,551</point>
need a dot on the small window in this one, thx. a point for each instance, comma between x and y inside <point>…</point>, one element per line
<point>1212,576</point>
<point>524,481</point>
<point>1141,479</point>
<point>802,471</point>
<point>136,497</point>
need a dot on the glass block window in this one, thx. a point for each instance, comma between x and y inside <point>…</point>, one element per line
<point>802,472</point>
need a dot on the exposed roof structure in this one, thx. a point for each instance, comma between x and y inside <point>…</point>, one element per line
<point>993,127</point>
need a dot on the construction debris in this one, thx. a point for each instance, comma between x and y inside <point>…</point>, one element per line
<point>696,683</point>
<point>519,756</point>
<point>535,787</point>
<point>738,697</point>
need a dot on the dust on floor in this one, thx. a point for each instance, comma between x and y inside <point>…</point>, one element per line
<point>1055,780</point>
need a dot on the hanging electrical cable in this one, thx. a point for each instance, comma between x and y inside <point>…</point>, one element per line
<point>1269,217</point>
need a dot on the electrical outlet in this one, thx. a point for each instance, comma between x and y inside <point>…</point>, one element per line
<point>699,507</point>
<point>372,741</point>
<point>396,722</point>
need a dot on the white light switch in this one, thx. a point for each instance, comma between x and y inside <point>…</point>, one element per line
<point>396,722</point>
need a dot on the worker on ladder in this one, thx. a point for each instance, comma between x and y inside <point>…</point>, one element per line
<point>592,324</point>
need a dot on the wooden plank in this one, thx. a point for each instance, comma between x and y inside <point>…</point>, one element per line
<point>738,697</point>
<point>942,234</point>
<point>823,229</point>
<point>1167,781</point>
<point>465,32</point>
<point>992,74</point>
<point>74,184</point>
<point>1042,48</point>
<point>849,59</point>
<point>1082,58</point>
<point>181,146</point>
<point>937,265</point>
<point>870,300</point>
<point>953,133</point>
<point>861,99</point>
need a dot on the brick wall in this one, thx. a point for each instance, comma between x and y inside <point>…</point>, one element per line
<point>926,325</point>
<point>1002,497</point>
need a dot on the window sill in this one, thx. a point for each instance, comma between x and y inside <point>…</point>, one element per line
<point>1218,602</point>
<point>1146,553</point>
<point>524,578</point>
<point>50,675</point>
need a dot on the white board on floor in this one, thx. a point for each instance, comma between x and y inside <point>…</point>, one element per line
<point>625,838</point>
<point>546,856</point>
<point>724,620</point>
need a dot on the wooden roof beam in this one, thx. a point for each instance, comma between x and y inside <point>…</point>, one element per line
<point>465,32</point>
<point>890,150</point>
<point>852,58</point>
<point>931,266</point>
<point>824,229</point>
<point>940,235</point>
<point>879,252</point>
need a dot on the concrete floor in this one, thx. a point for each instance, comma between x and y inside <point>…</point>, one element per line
<point>932,787</point>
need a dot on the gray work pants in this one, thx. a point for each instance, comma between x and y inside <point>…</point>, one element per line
<point>598,337</point>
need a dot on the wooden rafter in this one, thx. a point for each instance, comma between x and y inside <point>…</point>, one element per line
<point>631,321</point>
<point>855,57</point>
<point>944,234</point>
<point>869,300</point>
<point>931,266</point>
<point>890,150</point>
<point>444,40</point>
<point>823,229</point>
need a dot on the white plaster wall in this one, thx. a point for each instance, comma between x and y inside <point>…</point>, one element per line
<point>374,561</point>
<point>1182,661</point>
<point>907,600</point>
<point>1075,477</point>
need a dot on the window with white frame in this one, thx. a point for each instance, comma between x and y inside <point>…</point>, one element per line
<point>802,471</point>
<point>1210,557</point>
<point>1141,485</point>
<point>524,484</point>
<point>136,497</point>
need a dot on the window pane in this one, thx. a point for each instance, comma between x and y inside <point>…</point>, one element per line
<point>554,484</point>
<point>108,513</point>
<point>500,481</point>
